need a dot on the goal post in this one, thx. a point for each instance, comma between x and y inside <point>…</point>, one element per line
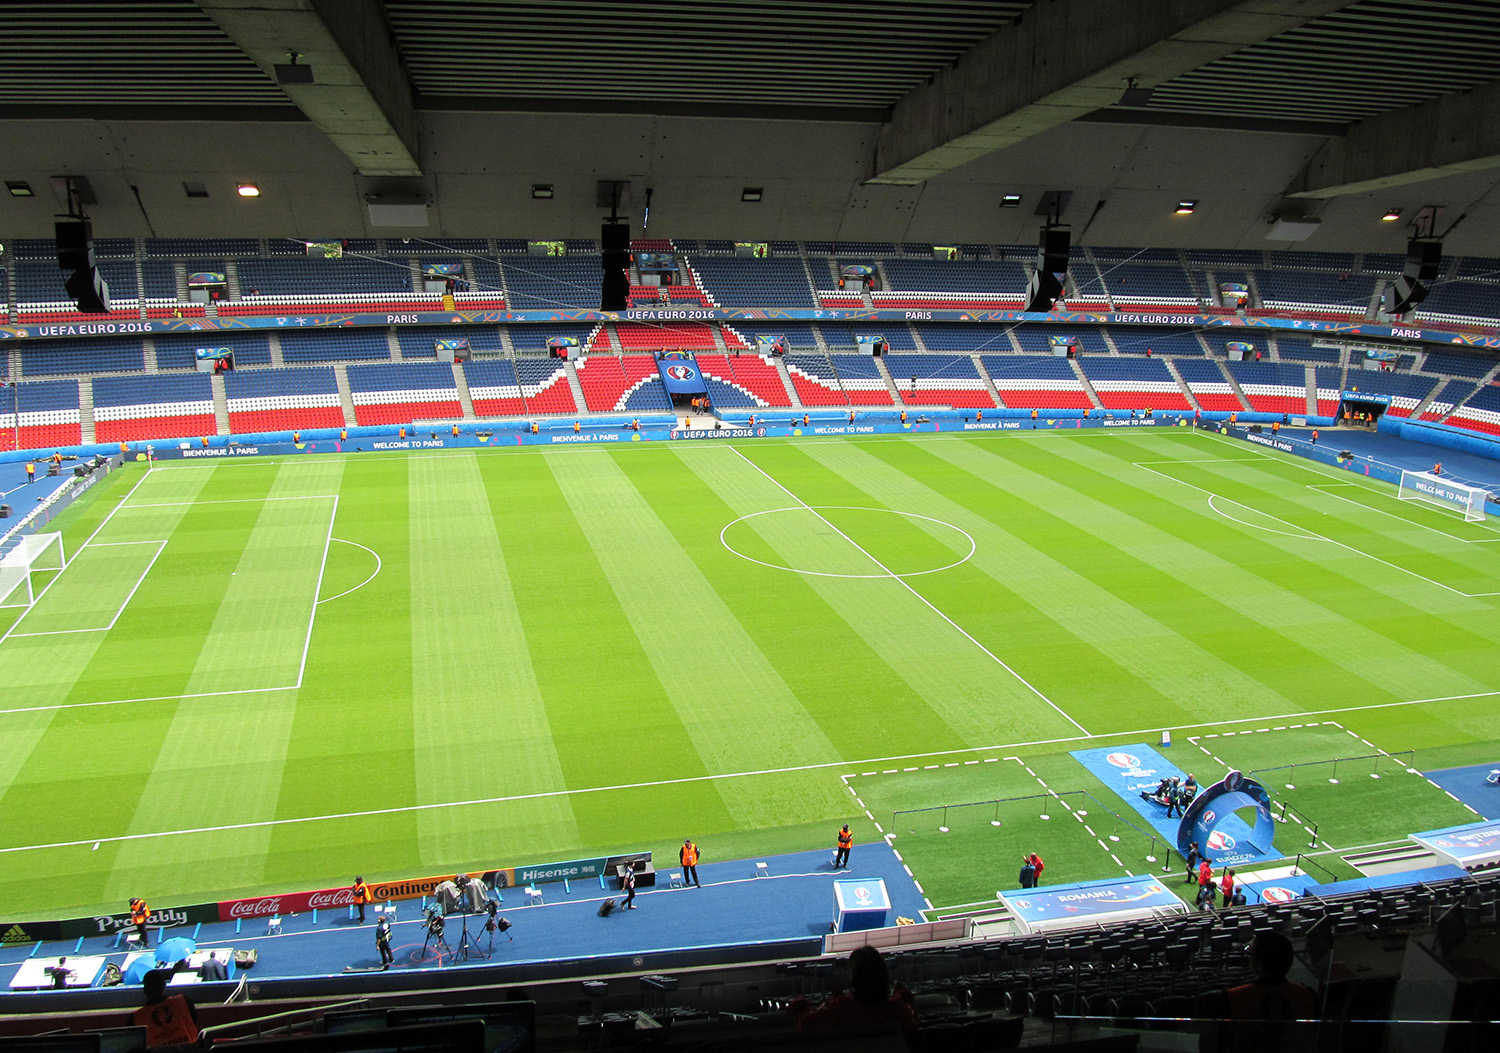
<point>1446,493</point>
<point>31,553</point>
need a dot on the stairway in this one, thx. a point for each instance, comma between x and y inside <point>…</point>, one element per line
<point>1187,392</point>
<point>1088,388</point>
<point>577,388</point>
<point>786,380</point>
<point>86,409</point>
<point>221,404</point>
<point>346,400</point>
<point>989,381</point>
<point>465,401</point>
<point>890,383</point>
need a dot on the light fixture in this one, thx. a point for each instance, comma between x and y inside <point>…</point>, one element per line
<point>247,190</point>
<point>1010,200</point>
<point>192,189</point>
<point>1391,215</point>
<point>541,191</point>
<point>18,187</point>
<point>1186,208</point>
<point>751,193</point>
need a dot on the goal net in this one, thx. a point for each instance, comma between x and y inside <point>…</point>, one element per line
<point>1436,490</point>
<point>32,552</point>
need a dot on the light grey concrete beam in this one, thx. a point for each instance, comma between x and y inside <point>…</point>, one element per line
<point>1441,137</point>
<point>1062,60</point>
<point>361,97</point>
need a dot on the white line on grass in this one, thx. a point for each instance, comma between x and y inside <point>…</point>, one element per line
<point>907,586</point>
<point>1324,488</point>
<point>140,580</point>
<point>367,581</point>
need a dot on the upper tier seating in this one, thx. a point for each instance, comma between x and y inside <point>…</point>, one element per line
<point>962,337</point>
<point>754,379</point>
<point>332,345</point>
<point>1300,349</point>
<point>282,399</point>
<point>153,406</point>
<point>939,380</point>
<point>1037,339</point>
<point>1210,388</point>
<point>1339,262</point>
<point>1042,381</point>
<point>102,355</point>
<point>616,384</point>
<point>49,415</point>
<point>314,277</point>
<point>403,392</point>
<point>1315,292</point>
<point>1138,284</point>
<point>1457,364</point>
<point>1272,387</point>
<point>1133,383</point>
<point>532,339</point>
<point>1158,340</point>
<point>546,283</point>
<point>1475,303</point>
<point>1087,286</point>
<point>738,282</point>
<point>177,248</point>
<point>845,336</point>
<point>929,283</point>
<point>797,334</point>
<point>175,350</point>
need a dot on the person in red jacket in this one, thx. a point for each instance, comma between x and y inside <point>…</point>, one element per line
<point>1036,861</point>
<point>1205,885</point>
<point>1226,886</point>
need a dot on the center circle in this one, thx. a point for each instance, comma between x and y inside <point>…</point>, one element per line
<point>814,511</point>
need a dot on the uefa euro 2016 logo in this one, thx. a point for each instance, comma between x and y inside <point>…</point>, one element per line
<point>1218,841</point>
<point>1124,760</point>
<point>680,372</point>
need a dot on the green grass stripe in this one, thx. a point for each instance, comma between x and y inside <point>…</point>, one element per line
<point>480,728</point>
<point>808,627</point>
<point>1281,595</point>
<point>739,713</point>
<point>963,684</point>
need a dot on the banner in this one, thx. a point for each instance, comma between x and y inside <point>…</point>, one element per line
<point>288,903</point>
<point>680,376</point>
<point>205,279</point>
<point>212,353</point>
<point>442,270</point>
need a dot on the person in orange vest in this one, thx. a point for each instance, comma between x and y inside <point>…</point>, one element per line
<point>851,416</point>
<point>687,855</point>
<point>57,457</point>
<point>139,915</point>
<point>403,431</point>
<point>752,420</point>
<point>297,437</point>
<point>455,431</point>
<point>576,428</point>
<point>536,429</point>
<point>1275,427</point>
<point>343,435</point>
<point>1234,418</point>
<point>1033,415</point>
<point>31,471</point>
<point>361,896</point>
<point>169,1021</point>
<point>1315,437</point>
<point>204,440</point>
<point>1437,469</point>
<point>635,424</point>
<point>979,414</point>
<point>846,842</point>
<point>804,420</point>
<point>903,416</point>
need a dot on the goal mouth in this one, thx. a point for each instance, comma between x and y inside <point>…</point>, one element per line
<point>1435,489</point>
<point>31,554</point>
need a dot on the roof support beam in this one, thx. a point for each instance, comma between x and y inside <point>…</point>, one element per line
<point>361,97</point>
<point>1445,136</point>
<point>1064,59</point>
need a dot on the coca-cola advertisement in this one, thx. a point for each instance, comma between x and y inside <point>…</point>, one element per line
<point>285,903</point>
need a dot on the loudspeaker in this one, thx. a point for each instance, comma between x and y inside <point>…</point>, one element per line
<point>75,243</point>
<point>1422,259</point>
<point>1043,291</point>
<point>89,290</point>
<point>614,237</point>
<point>1052,254</point>
<point>614,289</point>
<point>1403,294</point>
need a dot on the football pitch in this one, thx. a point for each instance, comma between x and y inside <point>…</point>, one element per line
<point>273,674</point>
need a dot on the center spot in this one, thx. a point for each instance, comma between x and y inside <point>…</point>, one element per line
<point>840,541</point>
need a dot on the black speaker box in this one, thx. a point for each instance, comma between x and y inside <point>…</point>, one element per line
<point>75,243</point>
<point>1043,291</point>
<point>1052,256</point>
<point>1403,294</point>
<point>89,290</point>
<point>1422,259</point>
<point>614,237</point>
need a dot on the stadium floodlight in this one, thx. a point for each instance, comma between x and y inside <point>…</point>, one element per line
<point>34,552</point>
<point>1444,492</point>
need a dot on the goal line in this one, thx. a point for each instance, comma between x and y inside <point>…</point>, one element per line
<point>1446,493</point>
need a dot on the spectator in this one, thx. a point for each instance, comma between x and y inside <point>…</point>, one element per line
<point>169,1021</point>
<point>1028,873</point>
<point>869,999</point>
<point>1261,1016</point>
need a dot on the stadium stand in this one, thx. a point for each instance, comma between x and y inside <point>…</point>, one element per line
<point>1036,381</point>
<point>1272,387</point>
<point>495,389</point>
<point>737,282</point>
<point>1037,339</point>
<point>1139,286</point>
<point>152,406</point>
<point>542,283</point>
<point>103,355</point>
<point>939,380</point>
<point>1133,383</point>
<point>1301,349</point>
<point>797,334</point>
<point>48,415</point>
<point>665,336</point>
<point>403,392</point>
<point>1405,390</point>
<point>815,379</point>
<point>544,385</point>
<point>627,382</point>
<point>332,345</point>
<point>313,277</point>
<point>1211,390</point>
<point>917,284</point>
<point>1461,303</point>
<point>967,339</point>
<point>748,380</point>
<point>532,339</point>
<point>1328,381</point>
<point>175,351</point>
<point>1162,340</point>
<point>177,248</point>
<point>282,399</point>
<point>1455,364</point>
<point>1314,292</point>
<point>860,378</point>
<point>1451,394</point>
<point>1479,412</point>
<point>418,341</point>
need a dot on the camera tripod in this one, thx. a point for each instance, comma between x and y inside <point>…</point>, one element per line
<point>435,937</point>
<point>495,924</point>
<point>467,945</point>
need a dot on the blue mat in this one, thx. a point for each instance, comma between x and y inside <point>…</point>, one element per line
<point>1468,785</point>
<point>734,907</point>
<point>1278,890</point>
<point>1134,769</point>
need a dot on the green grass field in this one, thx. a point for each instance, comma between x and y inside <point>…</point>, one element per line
<point>273,674</point>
